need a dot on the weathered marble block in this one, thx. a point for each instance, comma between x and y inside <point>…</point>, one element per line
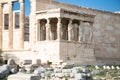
<point>22,76</point>
<point>4,71</point>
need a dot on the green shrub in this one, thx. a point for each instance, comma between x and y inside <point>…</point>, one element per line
<point>1,60</point>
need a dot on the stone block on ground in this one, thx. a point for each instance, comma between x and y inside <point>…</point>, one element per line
<point>4,70</point>
<point>26,62</point>
<point>66,70</point>
<point>57,70</point>
<point>22,76</point>
<point>13,66</point>
<point>78,76</point>
<point>116,78</point>
<point>12,63</point>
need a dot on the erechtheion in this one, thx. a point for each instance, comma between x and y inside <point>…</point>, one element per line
<point>60,32</point>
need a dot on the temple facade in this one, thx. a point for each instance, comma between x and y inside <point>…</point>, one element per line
<point>60,32</point>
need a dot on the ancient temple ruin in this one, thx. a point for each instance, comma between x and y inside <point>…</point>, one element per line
<point>61,32</point>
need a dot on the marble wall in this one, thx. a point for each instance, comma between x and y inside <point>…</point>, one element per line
<point>105,45</point>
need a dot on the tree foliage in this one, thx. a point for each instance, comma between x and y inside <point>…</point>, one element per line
<point>1,60</point>
<point>1,51</point>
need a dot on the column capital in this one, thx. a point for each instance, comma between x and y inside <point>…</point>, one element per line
<point>59,19</point>
<point>38,21</point>
<point>1,5</point>
<point>70,21</point>
<point>48,20</point>
<point>10,3</point>
<point>80,22</point>
<point>21,1</point>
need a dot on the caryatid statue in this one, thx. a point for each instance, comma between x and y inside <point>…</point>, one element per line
<point>70,31</point>
<point>75,32</point>
<point>42,33</point>
<point>86,32</point>
<point>80,32</point>
<point>59,29</point>
<point>48,29</point>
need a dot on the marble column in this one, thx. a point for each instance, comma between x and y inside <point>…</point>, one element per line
<point>38,30</point>
<point>10,25</point>
<point>1,24</point>
<point>48,29</point>
<point>22,22</point>
<point>59,29</point>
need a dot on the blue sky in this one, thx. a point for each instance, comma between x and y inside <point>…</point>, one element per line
<point>106,5</point>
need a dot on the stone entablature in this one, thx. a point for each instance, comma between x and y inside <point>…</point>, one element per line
<point>77,15</point>
<point>66,14</point>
